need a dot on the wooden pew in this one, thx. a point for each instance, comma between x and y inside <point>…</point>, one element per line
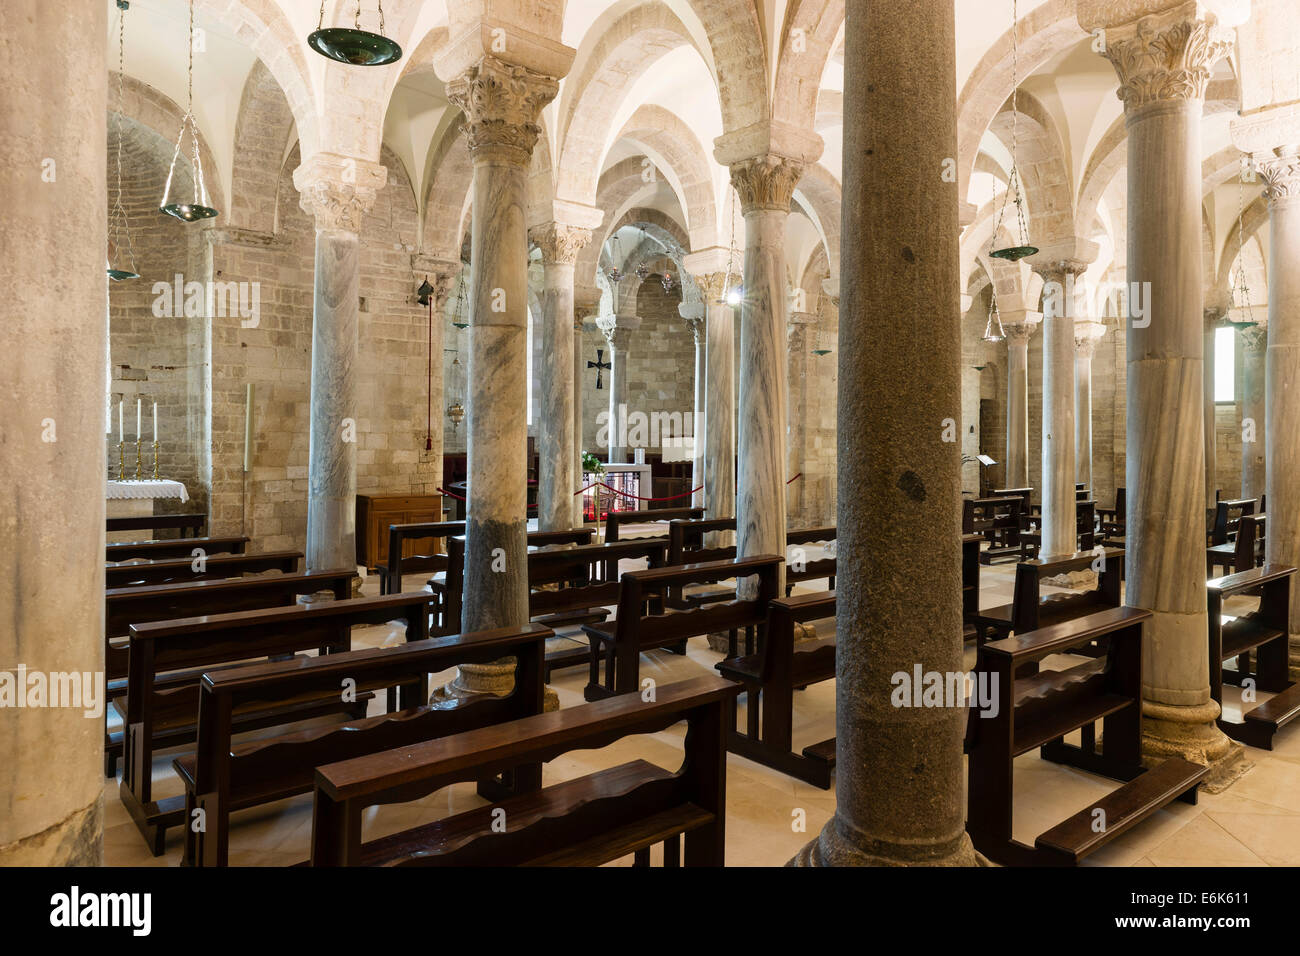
<point>582,822</point>
<point>998,519</point>
<point>186,526</point>
<point>1242,554</point>
<point>450,590</point>
<point>216,566</point>
<point>638,628</point>
<point>1085,528</point>
<point>1227,514</point>
<point>770,678</point>
<point>164,602</point>
<point>1038,711</point>
<point>399,563</point>
<point>158,716</point>
<point>175,548</point>
<point>970,583</point>
<point>616,519</point>
<point>221,776</point>
<point>1113,520</point>
<point>1263,632</point>
<point>686,545</point>
<point>1029,610</point>
<point>823,567</point>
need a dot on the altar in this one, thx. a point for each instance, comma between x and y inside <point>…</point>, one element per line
<point>133,499</point>
<point>631,481</point>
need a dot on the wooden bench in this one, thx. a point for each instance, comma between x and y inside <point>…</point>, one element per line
<point>970,584</point>
<point>221,777</point>
<point>581,822</point>
<point>823,567</point>
<point>186,526</point>
<point>165,602</point>
<point>1085,530</point>
<point>614,520</point>
<point>1241,554</point>
<point>1261,635</point>
<point>184,569</point>
<point>642,627</point>
<point>1030,610</point>
<point>405,560</point>
<point>1227,515</point>
<point>998,520</point>
<point>687,545</point>
<point>1036,712</point>
<point>175,548</point>
<point>158,715</point>
<point>770,679</point>
<point>1113,520</point>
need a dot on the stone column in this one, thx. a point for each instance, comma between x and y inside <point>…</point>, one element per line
<point>1281,172</point>
<point>618,331</point>
<point>337,191</point>
<point>720,398</point>
<point>557,451</point>
<point>898,772</point>
<point>582,311</point>
<point>1254,342</point>
<point>799,333</point>
<point>1164,62</point>
<point>1018,334</point>
<point>442,275</point>
<point>1086,337</point>
<point>53,454</point>
<point>1210,429</point>
<point>693,313</point>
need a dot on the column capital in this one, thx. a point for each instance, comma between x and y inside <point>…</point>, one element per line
<point>338,190</point>
<point>1019,325</point>
<point>502,103</point>
<point>1281,172</point>
<point>695,325</point>
<point>766,182</point>
<point>1162,53</point>
<point>560,243</point>
<point>1061,257</point>
<point>1254,338</point>
<point>713,285</point>
<point>1086,336</point>
<point>712,259</point>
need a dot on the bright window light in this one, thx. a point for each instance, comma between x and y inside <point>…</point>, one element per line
<point>1225,385</point>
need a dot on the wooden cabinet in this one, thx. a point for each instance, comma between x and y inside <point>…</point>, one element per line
<point>376,512</point>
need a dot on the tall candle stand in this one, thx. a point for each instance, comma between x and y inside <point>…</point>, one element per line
<point>138,464</point>
<point>155,460</point>
<point>121,461</point>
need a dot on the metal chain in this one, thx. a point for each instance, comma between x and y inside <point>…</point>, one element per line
<point>321,22</point>
<point>118,221</point>
<point>1242,285</point>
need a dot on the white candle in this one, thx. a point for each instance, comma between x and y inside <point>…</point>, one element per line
<point>139,407</point>
<point>121,429</point>
<point>155,423</point>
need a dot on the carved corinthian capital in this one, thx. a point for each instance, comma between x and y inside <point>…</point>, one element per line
<point>766,182</point>
<point>713,285</point>
<point>1281,173</point>
<point>502,102</point>
<point>338,190</point>
<point>1166,57</point>
<point>560,243</point>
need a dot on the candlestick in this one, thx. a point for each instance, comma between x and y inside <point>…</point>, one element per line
<point>155,457</point>
<point>121,429</point>
<point>121,461</point>
<point>139,472</point>
<point>139,407</point>
<point>155,424</point>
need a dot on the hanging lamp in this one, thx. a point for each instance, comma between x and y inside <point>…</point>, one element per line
<point>667,280</point>
<point>1240,287</point>
<point>460,318</point>
<point>456,411</point>
<point>200,207</point>
<point>424,295</point>
<point>820,341</point>
<point>615,275</point>
<point>992,333</point>
<point>1014,253</point>
<point>119,226</point>
<point>353,45</point>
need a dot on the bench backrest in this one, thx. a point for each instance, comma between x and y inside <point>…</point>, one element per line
<point>1028,601</point>
<point>433,560</point>
<point>1227,514</point>
<point>686,540</point>
<point>1250,538</point>
<point>970,575</point>
<point>290,761</point>
<point>778,643</point>
<point>616,519</point>
<point>195,569</point>
<point>588,575</point>
<point>823,567</point>
<point>175,548</point>
<point>982,514</point>
<point>188,525</point>
<point>344,790</point>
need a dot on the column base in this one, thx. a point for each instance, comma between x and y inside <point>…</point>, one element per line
<point>76,840</point>
<point>1189,731</point>
<point>839,845</point>
<point>497,678</point>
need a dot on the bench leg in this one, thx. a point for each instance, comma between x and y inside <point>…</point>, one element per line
<point>673,852</point>
<point>641,857</point>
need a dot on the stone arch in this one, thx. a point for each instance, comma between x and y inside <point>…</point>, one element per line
<point>818,195</point>
<point>449,197</point>
<point>674,149</point>
<point>1253,218</point>
<point>263,133</point>
<point>807,42</point>
<point>735,36</point>
<point>618,185</point>
<point>1043,173</point>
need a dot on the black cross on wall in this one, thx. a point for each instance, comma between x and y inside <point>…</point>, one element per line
<point>599,364</point>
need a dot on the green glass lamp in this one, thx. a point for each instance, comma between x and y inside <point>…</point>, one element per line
<point>353,45</point>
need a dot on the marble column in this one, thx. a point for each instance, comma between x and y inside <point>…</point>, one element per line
<point>693,313</point>
<point>898,775</point>
<point>1086,337</point>
<point>1164,62</point>
<point>1254,342</point>
<point>337,191</point>
<point>799,335</point>
<point>583,310</point>
<point>1281,172</point>
<point>1209,427</point>
<point>720,398</point>
<point>557,452</point>
<point>618,331</point>
<point>442,275</point>
<point>1018,335</point>
<point>53,457</point>
<point>502,104</point>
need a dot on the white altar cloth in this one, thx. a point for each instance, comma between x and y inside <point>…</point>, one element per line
<point>163,488</point>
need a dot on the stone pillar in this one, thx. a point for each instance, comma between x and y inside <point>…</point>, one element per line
<point>1164,62</point>
<point>337,191</point>
<point>1086,337</point>
<point>1281,172</point>
<point>1212,317</point>
<point>1254,341</point>
<point>720,398</point>
<point>557,451</point>
<point>799,334</point>
<point>898,774</point>
<point>53,454</point>
<point>693,313</point>
<point>582,311</point>
<point>1018,334</point>
<point>617,330</point>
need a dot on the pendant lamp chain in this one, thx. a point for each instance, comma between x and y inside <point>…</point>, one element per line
<point>1242,288</point>
<point>1014,192</point>
<point>119,224</point>
<point>199,207</point>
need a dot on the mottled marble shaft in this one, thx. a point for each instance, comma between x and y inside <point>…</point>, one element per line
<point>1058,433</point>
<point>761,460</point>
<point>1083,416</point>
<point>797,417</point>
<point>898,777</point>
<point>332,454</point>
<point>52,457</point>
<point>579,366</point>
<point>558,476</point>
<point>1017,470</point>
<point>496,574</point>
<point>619,409</point>
<point>720,412</point>
<point>1253,413</point>
<point>1208,417</point>
<point>697,422</point>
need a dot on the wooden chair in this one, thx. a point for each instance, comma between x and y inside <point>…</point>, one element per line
<point>1030,610</point>
<point>1037,711</point>
<point>582,822</point>
<point>175,548</point>
<point>770,679</point>
<point>1113,519</point>
<point>637,629</point>
<point>191,569</point>
<point>221,776</point>
<point>823,567</point>
<point>165,602</point>
<point>186,526</point>
<point>1246,551</point>
<point>400,562</point>
<point>1262,636</point>
<point>616,519</point>
<point>161,715</point>
<point>1085,525</point>
<point>970,584</point>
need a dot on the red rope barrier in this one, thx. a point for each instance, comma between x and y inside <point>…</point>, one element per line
<point>800,475</point>
<point>449,494</point>
<point>601,484</point>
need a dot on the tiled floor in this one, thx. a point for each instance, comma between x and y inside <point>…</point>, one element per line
<point>1255,822</point>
